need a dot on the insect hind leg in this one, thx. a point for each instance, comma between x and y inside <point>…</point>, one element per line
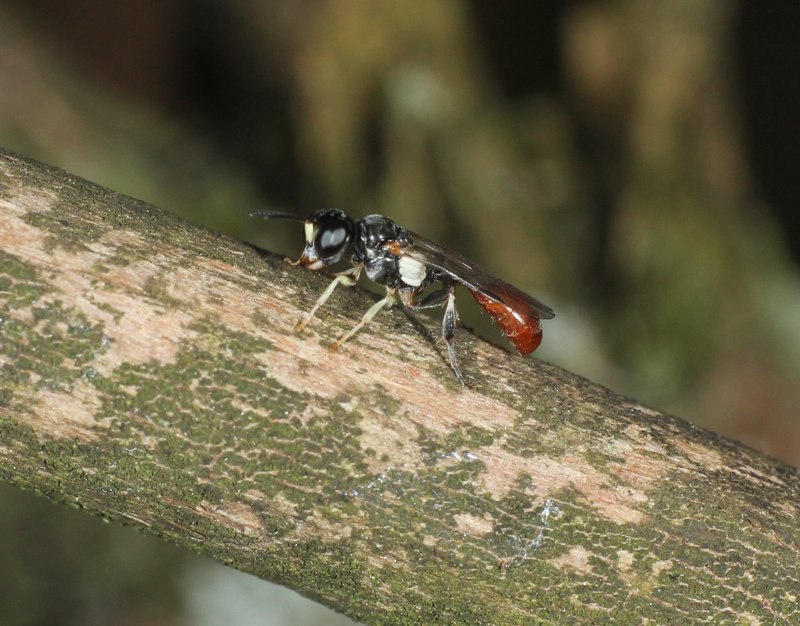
<point>434,299</point>
<point>447,297</point>
<point>449,333</point>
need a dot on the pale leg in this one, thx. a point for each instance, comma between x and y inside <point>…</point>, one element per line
<point>347,278</point>
<point>372,312</point>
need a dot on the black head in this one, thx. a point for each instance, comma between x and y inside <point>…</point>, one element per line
<point>329,238</point>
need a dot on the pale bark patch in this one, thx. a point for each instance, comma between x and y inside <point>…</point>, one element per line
<point>749,619</point>
<point>647,410</point>
<point>639,438</point>
<point>317,369</point>
<point>660,566</point>
<point>142,331</point>
<point>393,446</point>
<point>700,454</point>
<point>65,414</point>
<point>143,334</point>
<point>280,503</point>
<point>233,515</point>
<point>327,530</point>
<point>577,558</point>
<point>789,509</point>
<point>21,195</point>
<point>639,472</point>
<point>473,524</point>
<point>624,564</point>
<point>421,394</point>
<point>504,469</point>
<point>316,527</point>
<point>624,560</point>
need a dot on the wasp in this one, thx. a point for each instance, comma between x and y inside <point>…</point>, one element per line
<point>407,264</point>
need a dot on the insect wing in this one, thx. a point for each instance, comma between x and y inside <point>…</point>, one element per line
<point>474,277</point>
<point>515,312</point>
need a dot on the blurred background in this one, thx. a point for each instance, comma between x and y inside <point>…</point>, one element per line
<point>633,164</point>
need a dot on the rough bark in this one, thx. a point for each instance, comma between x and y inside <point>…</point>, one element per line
<point>150,374</point>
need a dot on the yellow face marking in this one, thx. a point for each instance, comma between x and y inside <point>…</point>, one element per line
<point>309,227</point>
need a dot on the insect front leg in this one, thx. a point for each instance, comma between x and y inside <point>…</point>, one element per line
<point>348,278</point>
<point>387,302</point>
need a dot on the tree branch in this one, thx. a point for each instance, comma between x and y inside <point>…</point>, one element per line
<point>150,374</point>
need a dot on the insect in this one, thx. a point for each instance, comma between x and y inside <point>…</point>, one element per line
<point>406,264</point>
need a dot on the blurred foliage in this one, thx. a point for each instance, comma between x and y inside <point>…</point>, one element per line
<point>60,570</point>
<point>594,153</point>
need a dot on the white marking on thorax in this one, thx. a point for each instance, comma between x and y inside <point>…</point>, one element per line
<point>309,227</point>
<point>412,271</point>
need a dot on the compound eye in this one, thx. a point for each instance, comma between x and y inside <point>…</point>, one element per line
<point>331,239</point>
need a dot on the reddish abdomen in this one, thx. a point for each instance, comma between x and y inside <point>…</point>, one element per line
<point>518,323</point>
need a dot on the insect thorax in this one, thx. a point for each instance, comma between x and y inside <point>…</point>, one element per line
<point>381,262</point>
<point>375,230</point>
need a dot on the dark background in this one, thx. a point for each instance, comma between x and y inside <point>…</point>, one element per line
<point>633,164</point>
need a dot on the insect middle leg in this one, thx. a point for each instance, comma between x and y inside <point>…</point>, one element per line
<point>445,296</point>
<point>348,278</point>
<point>387,302</point>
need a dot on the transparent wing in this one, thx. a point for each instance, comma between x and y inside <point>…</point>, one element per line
<point>475,278</point>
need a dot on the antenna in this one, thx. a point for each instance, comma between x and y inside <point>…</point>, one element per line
<point>277,215</point>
